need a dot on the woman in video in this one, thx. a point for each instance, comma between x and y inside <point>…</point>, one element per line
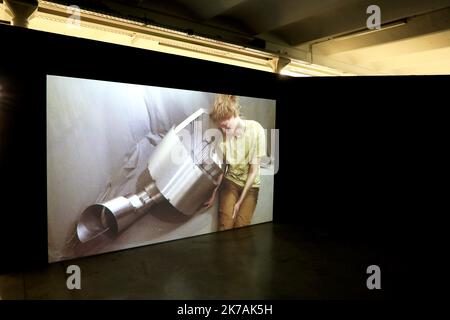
<point>242,146</point>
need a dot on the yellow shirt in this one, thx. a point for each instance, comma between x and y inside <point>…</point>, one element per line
<point>241,151</point>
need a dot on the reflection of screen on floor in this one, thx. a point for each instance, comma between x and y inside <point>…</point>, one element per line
<point>130,165</point>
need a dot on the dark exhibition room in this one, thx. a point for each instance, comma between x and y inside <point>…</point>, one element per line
<point>228,156</point>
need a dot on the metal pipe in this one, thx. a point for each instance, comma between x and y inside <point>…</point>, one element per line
<point>184,175</point>
<point>117,214</point>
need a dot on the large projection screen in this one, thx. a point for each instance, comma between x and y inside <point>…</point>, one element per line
<point>100,136</point>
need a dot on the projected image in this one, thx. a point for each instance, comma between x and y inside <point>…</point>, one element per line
<point>130,165</point>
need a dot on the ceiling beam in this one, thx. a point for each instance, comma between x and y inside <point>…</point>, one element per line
<point>431,23</point>
<point>351,16</point>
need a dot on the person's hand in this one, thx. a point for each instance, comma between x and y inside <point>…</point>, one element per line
<point>236,208</point>
<point>208,204</point>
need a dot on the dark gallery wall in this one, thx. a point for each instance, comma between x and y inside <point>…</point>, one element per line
<point>359,143</point>
<point>348,146</point>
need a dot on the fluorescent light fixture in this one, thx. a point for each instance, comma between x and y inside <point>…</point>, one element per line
<point>287,72</point>
<point>369,31</point>
<point>216,55</point>
<point>298,68</point>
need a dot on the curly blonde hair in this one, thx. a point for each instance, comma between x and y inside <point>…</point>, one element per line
<point>225,106</point>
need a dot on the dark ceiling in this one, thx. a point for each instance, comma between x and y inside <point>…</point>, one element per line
<point>286,22</point>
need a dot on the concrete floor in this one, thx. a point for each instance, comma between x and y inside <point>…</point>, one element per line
<point>266,261</point>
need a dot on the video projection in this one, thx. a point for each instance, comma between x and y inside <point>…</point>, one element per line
<point>131,165</point>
